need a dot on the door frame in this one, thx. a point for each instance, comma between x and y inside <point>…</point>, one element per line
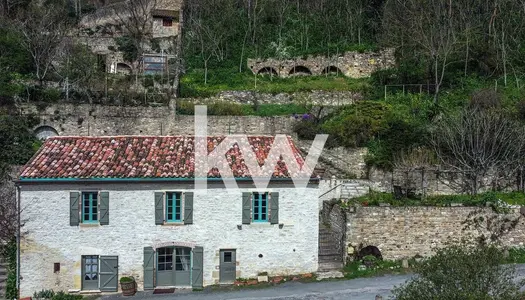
<point>83,269</point>
<point>234,261</point>
<point>156,266</point>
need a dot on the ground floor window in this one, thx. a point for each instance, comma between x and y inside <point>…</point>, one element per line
<point>90,272</point>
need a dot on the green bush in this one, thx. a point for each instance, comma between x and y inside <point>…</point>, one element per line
<point>462,271</point>
<point>126,279</point>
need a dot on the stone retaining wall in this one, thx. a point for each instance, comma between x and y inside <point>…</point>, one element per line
<point>404,232</point>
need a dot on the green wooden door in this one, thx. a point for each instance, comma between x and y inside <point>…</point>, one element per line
<point>108,273</point>
<point>227,267</point>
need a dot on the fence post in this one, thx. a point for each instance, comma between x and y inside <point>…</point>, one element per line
<point>385,92</point>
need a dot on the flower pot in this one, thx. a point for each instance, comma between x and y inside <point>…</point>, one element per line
<point>128,288</point>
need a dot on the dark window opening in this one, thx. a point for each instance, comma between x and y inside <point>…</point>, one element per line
<point>56,268</point>
<point>167,22</point>
<point>227,257</point>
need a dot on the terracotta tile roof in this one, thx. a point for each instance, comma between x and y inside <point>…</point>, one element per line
<point>139,157</point>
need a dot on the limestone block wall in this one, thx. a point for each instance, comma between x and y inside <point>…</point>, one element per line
<point>288,249</point>
<point>351,64</point>
<point>320,98</point>
<point>404,232</point>
<point>100,120</point>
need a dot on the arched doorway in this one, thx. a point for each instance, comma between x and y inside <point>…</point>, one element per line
<point>174,266</point>
<point>267,71</point>
<point>300,71</point>
<point>44,132</point>
<point>332,70</point>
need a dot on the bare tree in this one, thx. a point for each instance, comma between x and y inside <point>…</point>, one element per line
<point>42,28</point>
<point>425,25</point>
<point>476,144</point>
<point>137,20</point>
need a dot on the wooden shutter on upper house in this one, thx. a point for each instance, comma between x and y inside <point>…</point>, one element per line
<point>74,217</point>
<point>159,208</point>
<point>104,208</point>
<point>274,208</point>
<point>246,208</point>
<point>188,208</point>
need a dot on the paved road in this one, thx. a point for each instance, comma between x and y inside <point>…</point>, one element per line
<point>355,289</point>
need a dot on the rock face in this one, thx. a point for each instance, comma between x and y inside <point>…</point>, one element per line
<point>351,64</point>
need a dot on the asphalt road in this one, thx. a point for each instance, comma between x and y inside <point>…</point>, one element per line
<point>355,289</point>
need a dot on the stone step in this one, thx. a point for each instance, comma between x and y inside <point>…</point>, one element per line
<point>330,258</point>
<point>3,278</point>
<point>329,274</point>
<point>328,266</point>
<point>3,271</point>
<point>327,249</point>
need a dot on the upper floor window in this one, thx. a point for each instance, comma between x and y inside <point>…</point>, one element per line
<point>260,207</point>
<point>89,207</point>
<point>173,207</point>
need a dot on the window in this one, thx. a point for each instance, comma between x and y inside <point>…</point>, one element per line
<point>89,207</point>
<point>167,22</point>
<point>227,257</point>
<point>165,259</point>
<point>182,259</point>
<point>173,207</point>
<point>260,207</point>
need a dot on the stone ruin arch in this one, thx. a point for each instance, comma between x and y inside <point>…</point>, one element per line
<point>45,131</point>
<point>268,71</point>
<point>299,71</point>
<point>123,68</point>
<point>332,70</point>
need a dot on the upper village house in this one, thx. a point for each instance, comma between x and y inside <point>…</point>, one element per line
<point>99,208</point>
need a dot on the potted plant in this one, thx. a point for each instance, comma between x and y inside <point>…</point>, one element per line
<point>128,286</point>
<point>262,277</point>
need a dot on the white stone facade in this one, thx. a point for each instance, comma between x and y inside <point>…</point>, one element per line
<point>288,248</point>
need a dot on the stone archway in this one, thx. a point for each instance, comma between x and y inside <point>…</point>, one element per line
<point>300,71</point>
<point>267,71</point>
<point>123,68</point>
<point>44,132</point>
<point>332,70</point>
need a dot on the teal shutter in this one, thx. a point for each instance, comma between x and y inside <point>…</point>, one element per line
<point>149,268</point>
<point>274,208</point>
<point>188,208</point>
<point>108,273</point>
<point>159,208</point>
<point>74,218</point>
<point>198,266</point>
<point>246,208</point>
<point>104,208</point>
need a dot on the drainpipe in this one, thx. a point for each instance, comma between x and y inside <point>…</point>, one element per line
<point>18,241</point>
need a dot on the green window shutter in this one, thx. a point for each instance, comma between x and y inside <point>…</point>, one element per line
<point>198,266</point>
<point>74,219</point>
<point>104,208</point>
<point>159,208</point>
<point>274,208</point>
<point>188,208</point>
<point>246,208</point>
<point>149,268</point>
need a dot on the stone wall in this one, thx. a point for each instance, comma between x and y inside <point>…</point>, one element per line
<point>290,248</point>
<point>404,232</point>
<point>351,64</point>
<point>324,98</point>
<point>99,120</point>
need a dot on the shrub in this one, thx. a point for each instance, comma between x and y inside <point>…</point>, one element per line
<point>462,271</point>
<point>485,99</point>
<point>126,279</point>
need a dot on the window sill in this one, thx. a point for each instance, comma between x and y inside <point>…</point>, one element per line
<point>173,224</point>
<point>89,224</point>
<point>90,292</point>
<point>261,224</point>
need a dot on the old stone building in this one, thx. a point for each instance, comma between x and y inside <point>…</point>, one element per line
<point>99,208</point>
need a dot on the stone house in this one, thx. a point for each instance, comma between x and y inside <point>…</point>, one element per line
<point>99,208</point>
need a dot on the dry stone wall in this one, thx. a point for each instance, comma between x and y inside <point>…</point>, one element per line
<point>320,98</point>
<point>351,64</point>
<point>97,120</point>
<point>404,232</point>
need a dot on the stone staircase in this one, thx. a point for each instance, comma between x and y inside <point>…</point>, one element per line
<point>329,259</point>
<point>3,277</point>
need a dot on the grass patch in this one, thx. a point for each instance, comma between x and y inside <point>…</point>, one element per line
<point>381,267</point>
<point>376,198</point>
<point>193,86</point>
